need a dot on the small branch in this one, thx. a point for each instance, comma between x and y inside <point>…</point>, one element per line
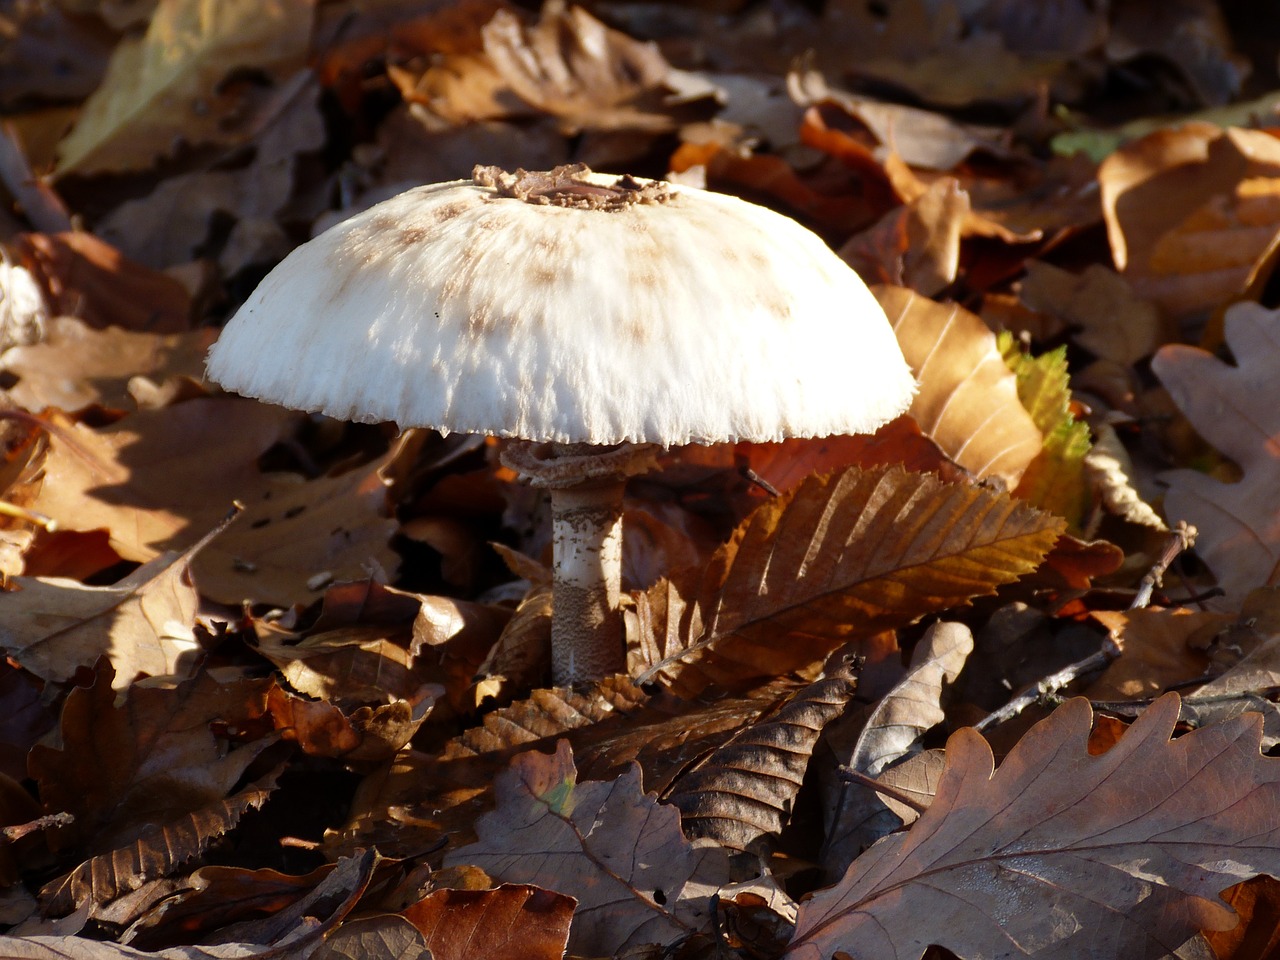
<point>853,776</point>
<point>1181,538</point>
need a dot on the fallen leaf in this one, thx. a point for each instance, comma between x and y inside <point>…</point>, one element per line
<point>120,768</point>
<point>743,793</point>
<point>1055,480</point>
<point>572,66</point>
<point>967,402</point>
<point>53,626</point>
<point>386,937</point>
<point>891,734</point>
<point>513,922</point>
<point>75,366</point>
<point>843,556</point>
<point>636,878</point>
<point>163,86</point>
<point>1236,408</point>
<point>1190,211</point>
<point>1112,476</point>
<point>1063,853</point>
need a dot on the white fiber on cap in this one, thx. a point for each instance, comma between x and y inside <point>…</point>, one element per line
<point>700,318</point>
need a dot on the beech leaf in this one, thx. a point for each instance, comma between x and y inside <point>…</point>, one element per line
<point>616,849</point>
<point>968,399</point>
<point>844,555</point>
<point>1059,854</point>
<point>513,922</point>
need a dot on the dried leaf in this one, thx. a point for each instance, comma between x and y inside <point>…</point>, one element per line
<point>1237,408</point>
<point>968,399</point>
<point>843,556</point>
<point>617,850</point>
<point>53,626</point>
<point>892,733</point>
<point>75,365</point>
<point>122,767</point>
<point>1190,211</point>
<point>160,850</point>
<point>1055,479</point>
<point>386,937</point>
<point>1158,648</point>
<point>1111,472</point>
<point>162,87</point>
<point>513,922</point>
<point>573,67</point>
<point>742,793</point>
<point>1062,853</point>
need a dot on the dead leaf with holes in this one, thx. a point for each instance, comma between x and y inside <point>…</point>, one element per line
<point>636,878</point>
<point>1064,853</point>
<point>1237,409</point>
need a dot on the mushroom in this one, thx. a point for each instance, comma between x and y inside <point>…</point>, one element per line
<point>597,319</point>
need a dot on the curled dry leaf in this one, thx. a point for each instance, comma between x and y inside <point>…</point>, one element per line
<point>1110,472</point>
<point>891,734</point>
<point>968,398</point>
<point>1236,408</point>
<point>843,556</point>
<point>742,793</point>
<point>636,878</point>
<point>1189,212</point>
<point>572,66</point>
<point>1060,854</point>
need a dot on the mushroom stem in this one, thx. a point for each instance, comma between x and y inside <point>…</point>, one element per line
<point>586,627</point>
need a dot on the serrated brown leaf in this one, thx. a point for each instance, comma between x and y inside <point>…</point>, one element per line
<point>160,850</point>
<point>743,792</point>
<point>513,922</point>
<point>615,849</point>
<point>843,556</point>
<point>967,402</point>
<point>1063,854</point>
<point>120,767</point>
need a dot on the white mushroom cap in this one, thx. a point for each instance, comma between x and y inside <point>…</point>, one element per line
<point>670,316</point>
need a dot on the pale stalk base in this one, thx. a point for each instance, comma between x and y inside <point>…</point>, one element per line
<point>587,639</point>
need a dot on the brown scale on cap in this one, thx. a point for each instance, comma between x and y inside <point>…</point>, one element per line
<point>566,186</point>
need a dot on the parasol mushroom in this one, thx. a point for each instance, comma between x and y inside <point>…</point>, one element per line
<point>597,319</point>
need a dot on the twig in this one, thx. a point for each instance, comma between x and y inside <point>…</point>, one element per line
<point>44,208</point>
<point>1181,538</point>
<point>853,776</point>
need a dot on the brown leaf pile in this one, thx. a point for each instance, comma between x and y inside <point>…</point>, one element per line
<point>848,726</point>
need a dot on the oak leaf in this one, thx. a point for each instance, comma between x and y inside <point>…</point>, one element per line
<point>616,849</point>
<point>1062,854</point>
<point>842,556</point>
<point>1237,408</point>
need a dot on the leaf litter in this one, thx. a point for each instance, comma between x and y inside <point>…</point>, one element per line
<point>210,729</point>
